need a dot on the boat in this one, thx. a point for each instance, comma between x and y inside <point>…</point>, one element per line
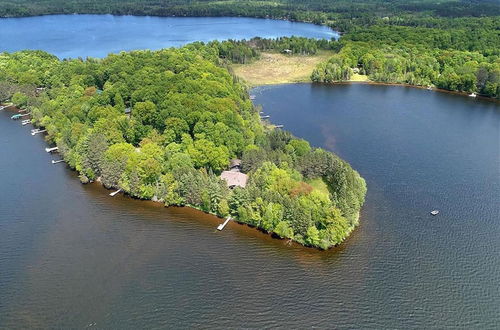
<point>435,212</point>
<point>473,95</point>
<point>14,117</point>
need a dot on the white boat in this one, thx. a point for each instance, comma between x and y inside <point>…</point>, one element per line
<point>435,212</point>
<point>473,95</point>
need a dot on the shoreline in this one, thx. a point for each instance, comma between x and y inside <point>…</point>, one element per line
<point>433,89</point>
<point>288,242</point>
<point>376,83</point>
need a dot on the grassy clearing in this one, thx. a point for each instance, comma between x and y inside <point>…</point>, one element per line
<point>359,77</point>
<point>319,184</point>
<point>273,68</point>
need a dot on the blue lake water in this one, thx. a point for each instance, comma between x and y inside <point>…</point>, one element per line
<point>98,35</point>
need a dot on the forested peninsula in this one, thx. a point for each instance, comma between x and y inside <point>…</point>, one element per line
<point>163,125</point>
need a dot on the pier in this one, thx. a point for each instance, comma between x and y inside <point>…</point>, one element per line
<point>51,149</point>
<point>6,106</point>
<point>36,131</point>
<point>222,225</point>
<point>57,161</point>
<point>265,117</point>
<point>279,126</point>
<point>115,192</point>
<point>25,122</point>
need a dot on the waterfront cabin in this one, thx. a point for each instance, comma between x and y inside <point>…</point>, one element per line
<point>234,179</point>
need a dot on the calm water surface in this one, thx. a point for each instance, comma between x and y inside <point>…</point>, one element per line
<point>98,35</point>
<point>73,257</point>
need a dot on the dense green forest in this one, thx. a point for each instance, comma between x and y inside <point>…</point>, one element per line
<point>465,60</point>
<point>453,45</point>
<point>188,118</point>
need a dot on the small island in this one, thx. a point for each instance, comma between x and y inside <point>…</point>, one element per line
<point>175,126</point>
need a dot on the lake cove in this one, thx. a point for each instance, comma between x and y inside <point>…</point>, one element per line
<point>72,248</point>
<point>98,35</point>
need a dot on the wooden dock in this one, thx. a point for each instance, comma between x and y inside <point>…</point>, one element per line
<point>51,149</point>
<point>114,193</point>
<point>222,225</point>
<point>37,131</point>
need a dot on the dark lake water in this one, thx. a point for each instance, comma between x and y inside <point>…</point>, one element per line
<point>73,257</point>
<point>98,35</point>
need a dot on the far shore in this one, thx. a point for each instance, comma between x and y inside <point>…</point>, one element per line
<point>280,69</point>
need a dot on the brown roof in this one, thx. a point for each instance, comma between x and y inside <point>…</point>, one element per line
<point>234,179</point>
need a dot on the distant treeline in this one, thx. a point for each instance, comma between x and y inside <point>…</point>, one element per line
<point>244,51</point>
<point>342,14</point>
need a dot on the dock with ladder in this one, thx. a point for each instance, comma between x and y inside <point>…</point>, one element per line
<point>222,225</point>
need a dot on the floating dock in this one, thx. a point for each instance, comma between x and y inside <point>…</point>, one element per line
<point>51,149</point>
<point>115,192</point>
<point>222,225</point>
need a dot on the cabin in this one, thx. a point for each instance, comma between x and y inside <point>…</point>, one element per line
<point>128,111</point>
<point>287,51</point>
<point>234,179</point>
<point>355,70</point>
